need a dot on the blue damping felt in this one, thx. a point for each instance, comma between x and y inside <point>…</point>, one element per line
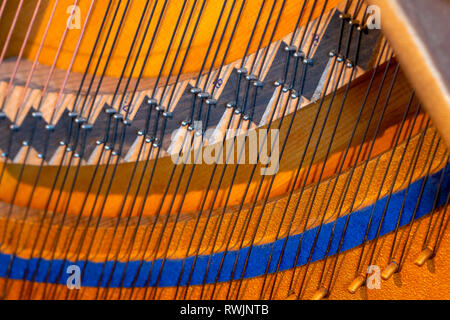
<point>259,257</point>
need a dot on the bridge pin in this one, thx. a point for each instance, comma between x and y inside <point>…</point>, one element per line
<point>292,296</point>
<point>356,284</point>
<point>389,270</point>
<point>424,256</point>
<point>320,294</point>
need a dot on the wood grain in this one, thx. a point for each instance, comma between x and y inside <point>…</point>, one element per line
<point>418,31</point>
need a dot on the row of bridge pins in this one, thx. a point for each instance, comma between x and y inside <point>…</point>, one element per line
<point>392,268</point>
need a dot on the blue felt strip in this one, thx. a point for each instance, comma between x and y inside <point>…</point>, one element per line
<point>259,257</point>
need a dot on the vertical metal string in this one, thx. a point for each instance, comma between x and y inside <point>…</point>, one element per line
<point>75,125</point>
<point>70,239</point>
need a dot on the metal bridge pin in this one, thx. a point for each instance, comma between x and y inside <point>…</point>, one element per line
<point>87,127</point>
<point>356,284</point>
<point>258,84</point>
<point>152,102</point>
<point>290,48</point>
<point>298,54</point>
<point>320,294</point>
<point>278,83</point>
<point>127,122</point>
<point>168,115</point>
<point>354,22</point>
<point>110,111</point>
<point>363,28</point>
<point>292,296</point>
<point>242,71</point>
<point>203,95</point>
<point>37,115</point>
<point>308,61</point>
<point>195,91</point>
<point>389,271</point>
<point>424,256</point>
<point>80,120</point>
<point>231,105</point>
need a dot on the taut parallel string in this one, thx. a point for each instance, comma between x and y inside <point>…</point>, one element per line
<point>37,117</point>
<point>71,238</point>
<point>108,117</point>
<point>228,243</point>
<point>66,149</point>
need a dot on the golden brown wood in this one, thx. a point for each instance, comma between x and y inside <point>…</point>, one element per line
<point>295,146</point>
<point>418,32</point>
<point>270,222</point>
<point>199,46</point>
